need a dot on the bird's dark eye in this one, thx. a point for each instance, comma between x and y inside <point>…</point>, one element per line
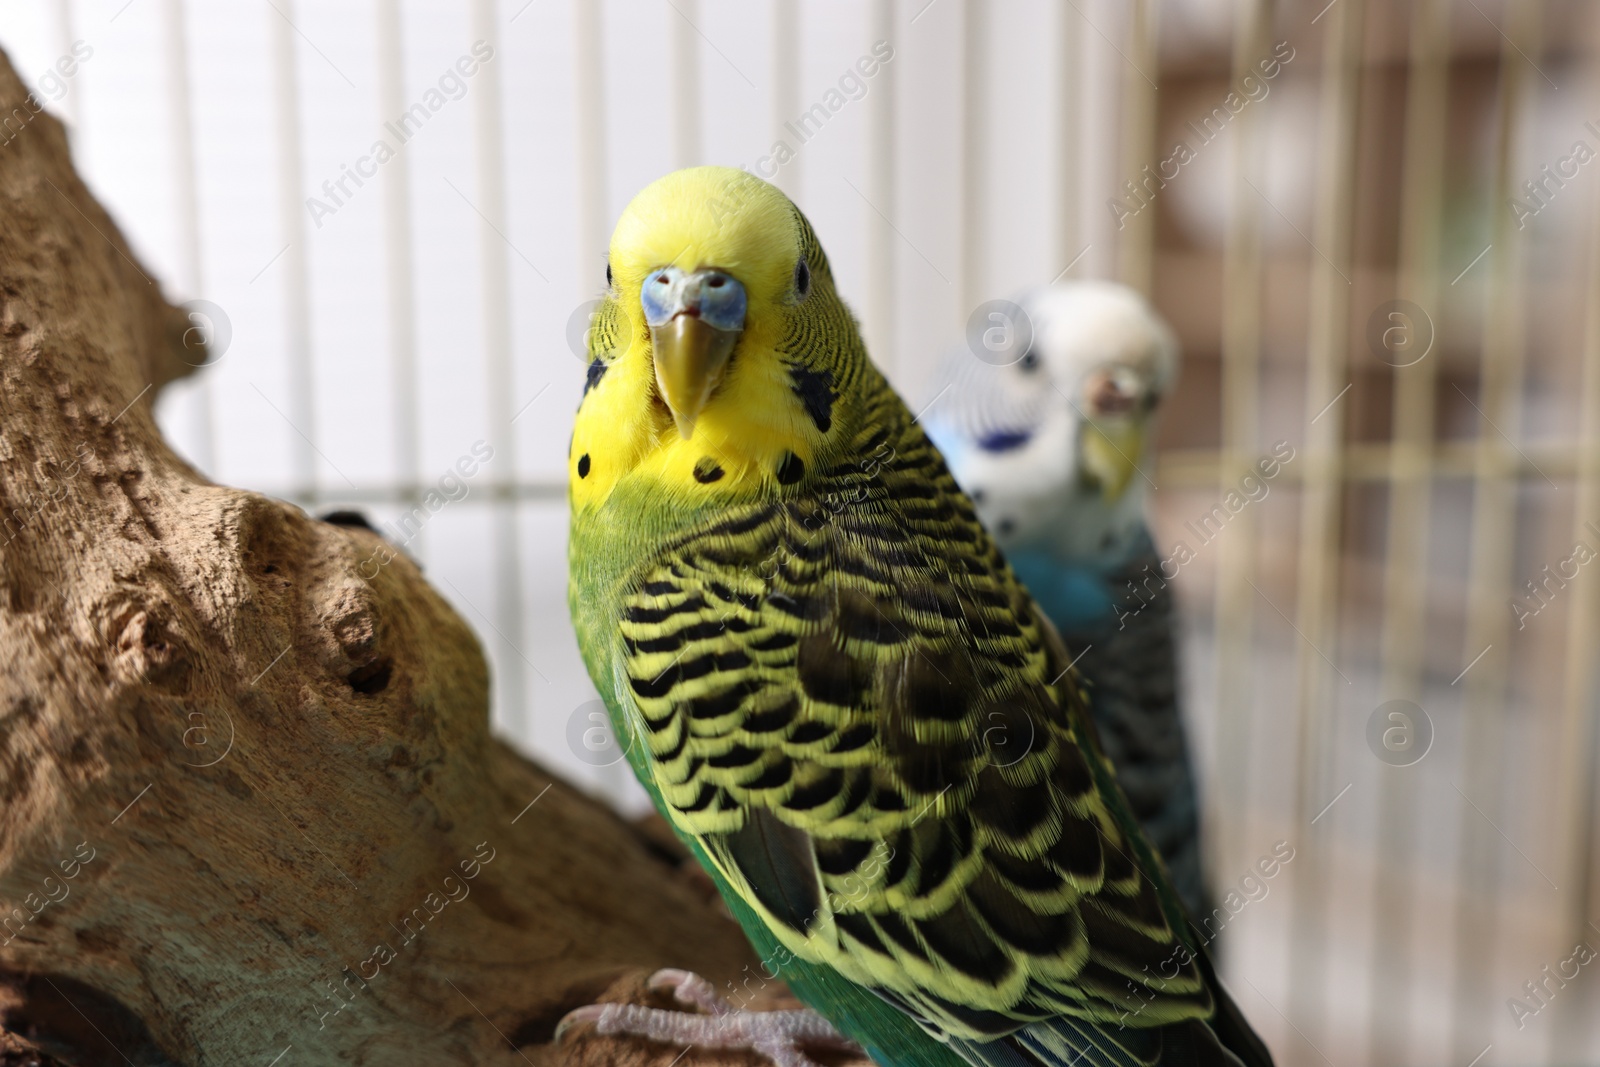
<point>1029,361</point>
<point>802,279</point>
<point>608,275</point>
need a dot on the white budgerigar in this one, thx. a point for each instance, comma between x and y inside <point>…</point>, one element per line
<point>1050,439</point>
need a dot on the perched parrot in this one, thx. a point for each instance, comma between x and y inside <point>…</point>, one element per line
<point>837,692</point>
<point>1048,445</point>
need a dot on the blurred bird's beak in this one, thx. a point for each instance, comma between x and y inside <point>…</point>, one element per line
<point>1110,454</point>
<point>1119,401</point>
<point>690,356</point>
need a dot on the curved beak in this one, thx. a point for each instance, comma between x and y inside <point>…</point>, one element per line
<point>690,357</point>
<point>1119,401</point>
<point>1110,454</point>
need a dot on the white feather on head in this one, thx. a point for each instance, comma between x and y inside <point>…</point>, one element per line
<point>1101,361</point>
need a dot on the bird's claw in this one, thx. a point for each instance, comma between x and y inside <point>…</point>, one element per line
<point>777,1035</point>
<point>689,989</point>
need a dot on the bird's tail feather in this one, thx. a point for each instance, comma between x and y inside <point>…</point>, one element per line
<point>1066,1042</point>
<point>1228,1024</point>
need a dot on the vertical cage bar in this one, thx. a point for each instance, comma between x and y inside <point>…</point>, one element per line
<point>1405,579</point>
<point>974,119</point>
<point>1410,506</point>
<point>1234,619</point>
<point>784,47</point>
<point>686,150</point>
<point>186,197</point>
<point>589,99</point>
<point>301,412</point>
<point>179,110</point>
<point>1494,499</point>
<point>1069,135</point>
<point>878,310</point>
<point>398,262</point>
<point>1136,251</point>
<point>494,281</point>
<point>1576,774</point>
<point>1321,499</point>
<point>70,104</point>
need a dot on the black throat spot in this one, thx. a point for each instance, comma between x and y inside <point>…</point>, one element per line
<point>815,390</point>
<point>707,470</point>
<point>597,370</point>
<point>791,470</point>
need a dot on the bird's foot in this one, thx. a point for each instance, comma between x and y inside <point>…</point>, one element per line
<point>777,1035</point>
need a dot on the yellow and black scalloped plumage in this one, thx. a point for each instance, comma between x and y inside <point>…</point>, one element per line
<point>836,691</point>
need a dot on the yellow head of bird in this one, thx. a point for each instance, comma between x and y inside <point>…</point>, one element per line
<point>730,350</point>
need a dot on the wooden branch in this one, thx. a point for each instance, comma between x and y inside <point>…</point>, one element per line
<point>252,810</point>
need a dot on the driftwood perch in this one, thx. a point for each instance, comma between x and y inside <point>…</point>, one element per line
<point>251,807</point>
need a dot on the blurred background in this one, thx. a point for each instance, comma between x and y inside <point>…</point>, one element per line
<point>1383,254</point>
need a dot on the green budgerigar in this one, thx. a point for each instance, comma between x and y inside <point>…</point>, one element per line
<point>835,690</point>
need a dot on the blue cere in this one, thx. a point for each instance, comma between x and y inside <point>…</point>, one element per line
<point>717,297</point>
